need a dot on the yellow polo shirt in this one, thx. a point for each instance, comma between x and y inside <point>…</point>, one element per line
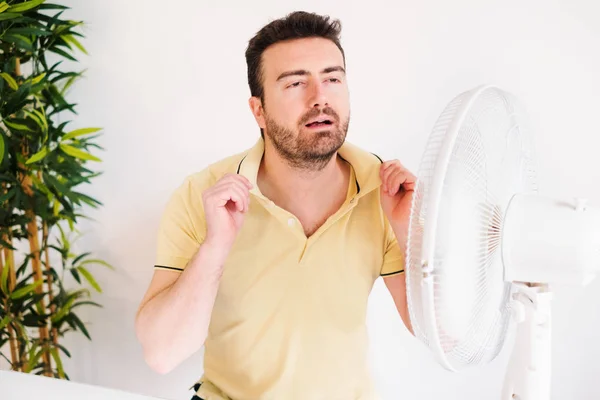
<point>289,317</point>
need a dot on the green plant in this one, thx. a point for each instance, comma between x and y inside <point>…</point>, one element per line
<point>42,165</point>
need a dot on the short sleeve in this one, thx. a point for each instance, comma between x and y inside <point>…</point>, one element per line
<point>393,259</point>
<point>181,229</point>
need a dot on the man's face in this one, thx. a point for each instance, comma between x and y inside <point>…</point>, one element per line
<point>306,106</point>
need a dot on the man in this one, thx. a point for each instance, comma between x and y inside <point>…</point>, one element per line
<point>267,257</point>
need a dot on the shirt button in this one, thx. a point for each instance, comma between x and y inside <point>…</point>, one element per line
<point>291,222</point>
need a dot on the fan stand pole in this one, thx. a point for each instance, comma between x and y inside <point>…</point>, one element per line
<point>529,368</point>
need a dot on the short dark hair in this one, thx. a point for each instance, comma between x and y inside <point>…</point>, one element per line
<point>296,25</point>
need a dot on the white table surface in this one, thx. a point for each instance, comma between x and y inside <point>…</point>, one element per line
<point>19,386</point>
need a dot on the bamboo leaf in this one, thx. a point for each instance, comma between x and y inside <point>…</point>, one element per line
<point>4,279</point>
<point>75,275</point>
<point>55,207</point>
<point>2,146</point>
<point>57,97</point>
<point>5,321</point>
<point>64,310</point>
<point>62,53</point>
<point>24,291</point>
<point>41,186</point>
<point>33,320</point>
<point>68,84</point>
<point>79,294</point>
<point>31,352</point>
<point>63,235</point>
<point>88,200</point>
<point>29,31</point>
<point>20,40</point>
<point>71,39</point>
<point>74,152</point>
<point>36,118</point>
<point>26,6</point>
<point>64,350</point>
<point>53,7</point>
<point>10,80</point>
<point>82,303</point>
<point>38,156</point>
<point>33,361</point>
<point>38,78</point>
<point>95,261</point>
<point>80,132</point>
<point>80,325</point>
<point>57,360</point>
<point>60,189</point>
<point>35,299</point>
<point>8,15</point>
<point>88,277</point>
<point>80,257</point>
<point>59,76</point>
<point>42,118</point>
<point>20,127</point>
<point>3,7</point>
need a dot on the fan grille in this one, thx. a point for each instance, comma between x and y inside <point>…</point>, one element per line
<point>490,160</point>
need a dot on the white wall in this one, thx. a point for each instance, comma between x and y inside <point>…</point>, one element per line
<point>167,81</point>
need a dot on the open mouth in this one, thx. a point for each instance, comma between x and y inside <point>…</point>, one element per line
<point>319,123</point>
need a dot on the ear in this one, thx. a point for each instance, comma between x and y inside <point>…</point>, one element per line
<point>257,110</point>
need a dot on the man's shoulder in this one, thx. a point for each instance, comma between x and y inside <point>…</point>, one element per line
<point>210,174</point>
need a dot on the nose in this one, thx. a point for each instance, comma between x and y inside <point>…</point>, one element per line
<point>318,97</point>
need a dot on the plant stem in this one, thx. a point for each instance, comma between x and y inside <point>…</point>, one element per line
<point>13,348</point>
<point>14,354</point>
<point>34,245</point>
<point>54,332</point>
<point>7,261</point>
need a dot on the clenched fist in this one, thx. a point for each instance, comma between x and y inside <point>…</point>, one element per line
<point>225,204</point>
<point>397,190</point>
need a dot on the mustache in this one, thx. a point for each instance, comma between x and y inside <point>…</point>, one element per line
<point>316,112</point>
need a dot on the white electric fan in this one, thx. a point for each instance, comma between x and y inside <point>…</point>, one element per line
<point>484,246</point>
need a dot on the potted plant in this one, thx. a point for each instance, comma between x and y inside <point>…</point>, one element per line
<point>43,165</point>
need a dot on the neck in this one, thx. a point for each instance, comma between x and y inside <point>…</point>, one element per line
<point>292,186</point>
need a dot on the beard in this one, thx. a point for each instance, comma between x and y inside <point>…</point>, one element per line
<point>308,149</point>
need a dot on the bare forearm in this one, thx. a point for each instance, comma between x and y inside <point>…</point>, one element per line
<point>397,285</point>
<point>174,324</point>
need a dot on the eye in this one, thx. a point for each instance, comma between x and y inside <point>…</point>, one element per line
<point>334,80</point>
<point>294,84</point>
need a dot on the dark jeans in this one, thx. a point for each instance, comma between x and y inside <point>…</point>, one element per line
<point>196,387</point>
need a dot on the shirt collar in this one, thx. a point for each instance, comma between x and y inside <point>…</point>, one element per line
<point>366,166</point>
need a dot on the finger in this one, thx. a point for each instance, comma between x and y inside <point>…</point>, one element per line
<point>232,181</point>
<point>409,186</point>
<point>221,195</point>
<point>385,166</point>
<point>389,181</point>
<point>386,177</point>
<point>240,205</point>
<point>410,182</point>
<point>230,177</point>
<point>397,180</point>
<point>243,189</point>
<point>244,180</point>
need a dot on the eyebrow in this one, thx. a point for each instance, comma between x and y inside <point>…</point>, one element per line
<point>302,72</point>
